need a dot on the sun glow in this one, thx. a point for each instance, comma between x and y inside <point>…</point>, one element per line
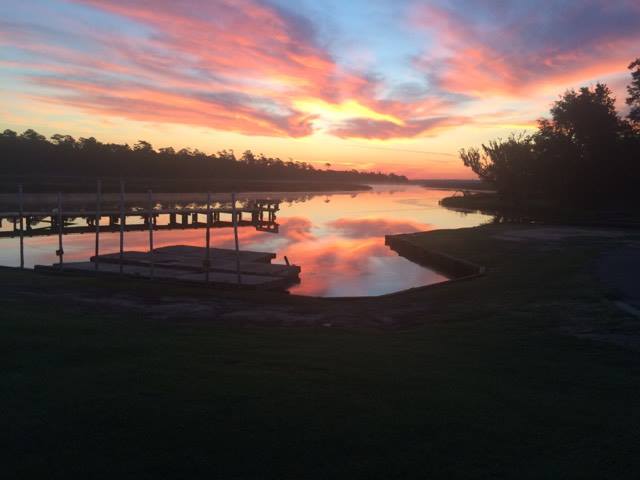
<point>335,112</point>
<point>304,81</point>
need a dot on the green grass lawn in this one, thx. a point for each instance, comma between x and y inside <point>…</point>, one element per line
<point>489,386</point>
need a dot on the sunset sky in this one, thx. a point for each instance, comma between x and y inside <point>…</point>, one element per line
<point>394,85</point>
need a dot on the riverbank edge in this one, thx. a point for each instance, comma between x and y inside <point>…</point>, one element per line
<point>479,262</point>
<point>448,265</point>
<point>543,213</point>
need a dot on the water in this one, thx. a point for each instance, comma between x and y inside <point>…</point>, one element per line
<point>337,238</point>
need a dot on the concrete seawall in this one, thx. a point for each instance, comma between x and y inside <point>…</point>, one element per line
<point>452,267</point>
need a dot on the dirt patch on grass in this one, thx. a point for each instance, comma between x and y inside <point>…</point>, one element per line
<point>619,271</point>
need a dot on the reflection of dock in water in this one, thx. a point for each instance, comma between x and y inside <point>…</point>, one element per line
<point>260,214</point>
<point>184,263</point>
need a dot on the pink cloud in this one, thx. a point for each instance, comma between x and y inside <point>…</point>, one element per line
<point>526,46</point>
<point>380,129</point>
<point>345,258</point>
<point>229,65</point>
<point>374,227</point>
<point>251,67</point>
<point>296,229</point>
<point>235,66</point>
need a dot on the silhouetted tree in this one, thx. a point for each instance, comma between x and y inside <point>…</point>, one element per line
<point>585,153</point>
<point>587,114</point>
<point>169,151</point>
<point>506,164</point>
<point>142,146</point>
<point>633,89</point>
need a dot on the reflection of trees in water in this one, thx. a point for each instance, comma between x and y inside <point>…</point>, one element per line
<point>511,219</point>
<point>137,201</point>
<point>500,217</point>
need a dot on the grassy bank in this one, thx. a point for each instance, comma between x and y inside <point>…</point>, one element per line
<point>492,203</point>
<point>510,375</point>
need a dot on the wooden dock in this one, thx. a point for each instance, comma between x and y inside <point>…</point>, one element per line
<point>177,263</point>
<point>183,263</point>
<point>260,214</point>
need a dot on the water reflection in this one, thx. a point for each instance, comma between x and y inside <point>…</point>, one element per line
<point>337,238</point>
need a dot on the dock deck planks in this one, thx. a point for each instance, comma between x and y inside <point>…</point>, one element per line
<point>185,263</point>
<point>159,273</point>
<point>189,258</point>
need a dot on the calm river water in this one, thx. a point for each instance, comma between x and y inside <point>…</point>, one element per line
<point>337,238</point>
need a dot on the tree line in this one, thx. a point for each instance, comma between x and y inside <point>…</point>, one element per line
<point>586,153</point>
<point>31,153</point>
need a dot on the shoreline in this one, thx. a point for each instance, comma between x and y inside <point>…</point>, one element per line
<point>8,201</point>
<point>542,212</point>
<point>169,186</point>
<point>460,254</point>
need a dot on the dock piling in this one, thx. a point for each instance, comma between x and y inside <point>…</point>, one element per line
<point>235,234</point>
<point>60,251</point>
<point>207,260</point>
<point>97,222</point>
<point>21,209</point>
<point>150,222</point>
<point>122,222</point>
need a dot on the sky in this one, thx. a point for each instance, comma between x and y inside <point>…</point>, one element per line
<point>390,85</point>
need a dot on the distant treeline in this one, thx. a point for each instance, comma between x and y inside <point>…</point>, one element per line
<point>31,153</point>
<point>585,154</point>
<point>454,184</point>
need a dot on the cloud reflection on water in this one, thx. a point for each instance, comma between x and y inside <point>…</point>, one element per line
<point>339,245</point>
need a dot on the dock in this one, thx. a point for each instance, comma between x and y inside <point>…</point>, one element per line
<point>178,263</point>
<point>260,214</point>
<point>184,263</point>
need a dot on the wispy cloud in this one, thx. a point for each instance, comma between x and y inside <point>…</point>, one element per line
<point>514,48</point>
<point>242,66</point>
<point>257,67</point>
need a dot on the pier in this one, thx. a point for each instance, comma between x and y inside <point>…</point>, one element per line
<point>179,263</point>
<point>260,214</point>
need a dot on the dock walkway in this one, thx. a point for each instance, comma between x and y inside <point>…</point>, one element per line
<point>260,214</point>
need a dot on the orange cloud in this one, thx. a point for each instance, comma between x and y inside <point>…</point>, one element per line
<point>381,129</point>
<point>242,66</point>
<point>255,68</point>
<point>524,49</point>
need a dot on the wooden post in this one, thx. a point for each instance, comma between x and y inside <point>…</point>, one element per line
<point>207,260</point>
<point>235,235</point>
<point>122,221</point>
<point>21,209</point>
<point>150,214</point>
<point>60,251</point>
<point>98,208</point>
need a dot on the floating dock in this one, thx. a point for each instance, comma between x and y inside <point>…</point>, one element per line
<point>184,263</point>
